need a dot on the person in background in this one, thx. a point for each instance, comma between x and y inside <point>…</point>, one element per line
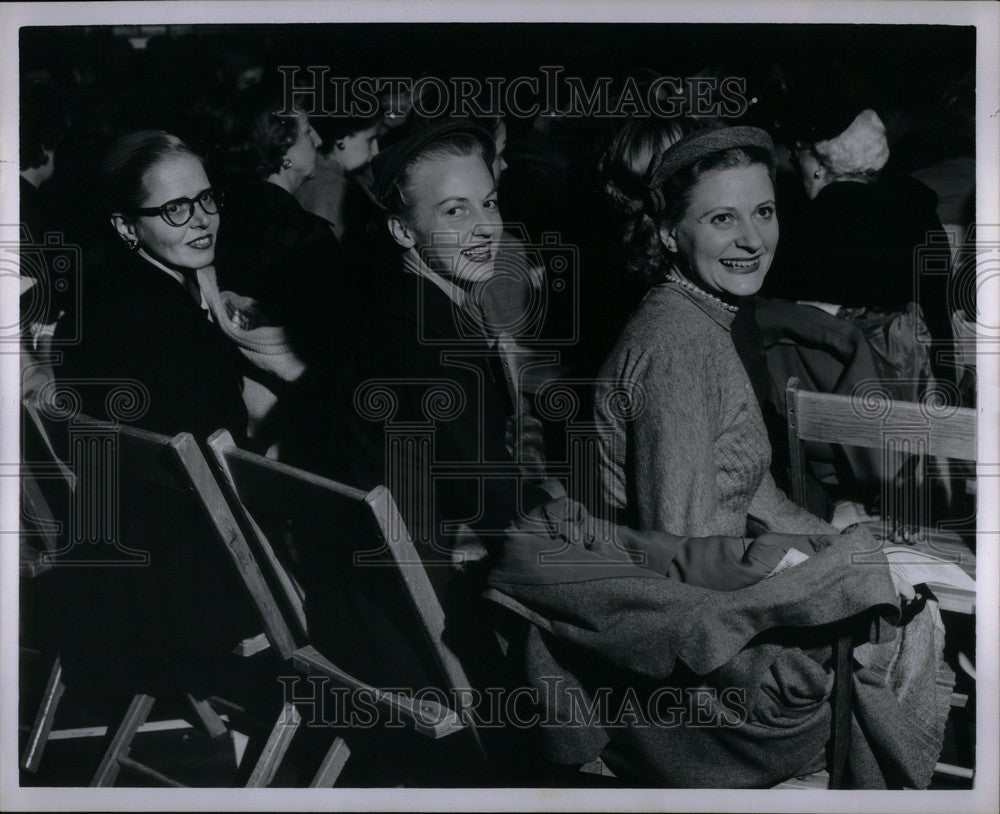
<point>287,259</point>
<point>281,267</point>
<point>349,143</point>
<point>863,248</point>
<point>42,125</point>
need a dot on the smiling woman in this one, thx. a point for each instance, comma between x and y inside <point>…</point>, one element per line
<point>145,321</point>
<point>692,455</point>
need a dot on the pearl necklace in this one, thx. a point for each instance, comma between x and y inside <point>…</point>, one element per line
<point>687,285</point>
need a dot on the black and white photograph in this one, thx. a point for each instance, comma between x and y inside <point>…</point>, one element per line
<point>524,406</point>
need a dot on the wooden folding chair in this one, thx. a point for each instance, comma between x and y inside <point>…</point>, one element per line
<point>46,483</point>
<point>175,469</point>
<point>271,495</point>
<point>46,487</point>
<point>894,426</point>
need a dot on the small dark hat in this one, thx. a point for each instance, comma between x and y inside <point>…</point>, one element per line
<point>695,146</point>
<point>389,164</point>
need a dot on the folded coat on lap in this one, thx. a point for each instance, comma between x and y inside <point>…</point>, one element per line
<point>757,654</point>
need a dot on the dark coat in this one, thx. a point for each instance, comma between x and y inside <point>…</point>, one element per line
<point>412,376</point>
<point>290,261</point>
<point>855,246</point>
<point>138,324</point>
<point>439,374</point>
<point>145,337</point>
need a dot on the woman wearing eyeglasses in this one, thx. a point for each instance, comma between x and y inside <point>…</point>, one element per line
<point>151,354</point>
<point>146,331</point>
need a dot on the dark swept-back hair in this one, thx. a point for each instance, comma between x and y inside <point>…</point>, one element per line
<point>126,162</point>
<point>254,135</point>
<point>332,128</point>
<point>646,256</point>
<point>400,200</point>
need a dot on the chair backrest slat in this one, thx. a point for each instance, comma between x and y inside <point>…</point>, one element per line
<point>949,432</point>
<point>178,465</point>
<point>418,586</point>
<point>252,484</point>
<point>47,484</point>
<point>900,426</point>
<point>368,523</point>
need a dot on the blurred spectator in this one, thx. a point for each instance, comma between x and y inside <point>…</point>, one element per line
<point>349,143</point>
<point>861,242</point>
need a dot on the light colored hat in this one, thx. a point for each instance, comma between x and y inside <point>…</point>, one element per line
<point>862,147</point>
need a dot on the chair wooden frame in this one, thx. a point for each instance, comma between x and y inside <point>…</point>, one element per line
<point>945,432</point>
<point>178,465</point>
<point>949,432</point>
<point>253,480</point>
<point>41,512</point>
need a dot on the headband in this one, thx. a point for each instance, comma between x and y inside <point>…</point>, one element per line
<point>695,146</point>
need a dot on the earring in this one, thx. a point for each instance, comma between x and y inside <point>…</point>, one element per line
<point>818,174</point>
<point>132,242</point>
<point>671,245</point>
<point>286,163</point>
<point>341,145</point>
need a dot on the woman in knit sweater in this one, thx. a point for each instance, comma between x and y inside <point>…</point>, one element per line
<point>683,446</point>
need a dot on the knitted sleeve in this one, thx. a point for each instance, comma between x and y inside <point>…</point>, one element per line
<point>772,507</point>
<point>673,476</point>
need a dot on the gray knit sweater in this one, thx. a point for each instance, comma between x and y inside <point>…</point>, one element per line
<point>683,446</point>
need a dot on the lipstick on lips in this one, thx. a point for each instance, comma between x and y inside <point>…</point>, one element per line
<point>742,266</point>
<point>203,242</point>
<point>480,253</point>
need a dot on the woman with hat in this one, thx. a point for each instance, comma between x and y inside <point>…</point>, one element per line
<point>689,453</point>
<point>865,244</point>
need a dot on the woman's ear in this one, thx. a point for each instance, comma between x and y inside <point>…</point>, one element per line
<point>125,229</point>
<point>668,238</point>
<point>401,233</point>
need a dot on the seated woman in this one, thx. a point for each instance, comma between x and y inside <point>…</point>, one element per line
<point>774,339</point>
<point>151,355</point>
<point>348,145</point>
<point>147,324</point>
<point>423,391</point>
<point>692,457</point>
<point>865,236</point>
